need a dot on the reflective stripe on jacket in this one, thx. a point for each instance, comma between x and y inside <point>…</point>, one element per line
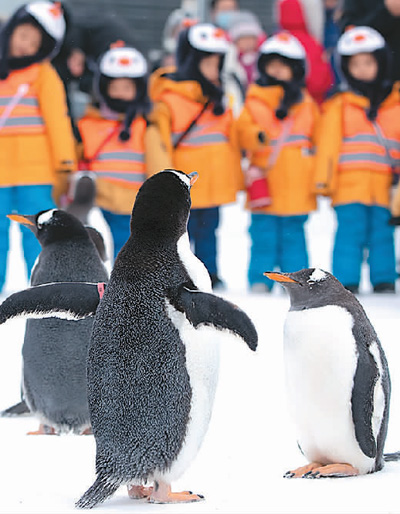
<point>352,162</point>
<point>122,161</point>
<point>290,176</point>
<point>25,116</point>
<point>210,147</point>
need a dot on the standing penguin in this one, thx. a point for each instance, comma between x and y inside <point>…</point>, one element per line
<point>54,350</point>
<point>153,355</point>
<point>337,375</point>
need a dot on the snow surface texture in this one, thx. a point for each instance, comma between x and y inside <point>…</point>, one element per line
<point>251,440</point>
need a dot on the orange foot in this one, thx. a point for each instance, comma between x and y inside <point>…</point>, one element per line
<point>162,494</point>
<point>44,430</point>
<point>303,471</point>
<point>333,471</point>
<point>87,431</point>
<point>137,492</point>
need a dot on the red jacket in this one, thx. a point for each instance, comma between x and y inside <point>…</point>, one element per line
<point>319,73</point>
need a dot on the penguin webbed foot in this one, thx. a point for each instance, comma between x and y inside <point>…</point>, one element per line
<point>316,470</point>
<point>44,430</point>
<point>138,492</point>
<point>162,494</point>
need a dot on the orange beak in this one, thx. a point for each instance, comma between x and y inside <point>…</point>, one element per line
<point>24,220</point>
<point>193,177</point>
<point>279,277</point>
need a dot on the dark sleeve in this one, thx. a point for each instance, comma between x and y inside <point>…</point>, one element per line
<point>373,14</point>
<point>66,300</point>
<point>207,309</point>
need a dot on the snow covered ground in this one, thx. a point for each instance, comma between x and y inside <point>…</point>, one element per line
<point>251,441</point>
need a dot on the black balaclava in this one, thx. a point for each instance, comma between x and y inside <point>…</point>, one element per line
<point>140,105</point>
<point>292,90</point>
<point>48,48</point>
<point>375,90</point>
<point>188,60</point>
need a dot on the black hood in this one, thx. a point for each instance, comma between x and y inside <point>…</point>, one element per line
<point>48,48</point>
<point>292,90</point>
<point>188,60</point>
<point>375,90</point>
<point>139,106</point>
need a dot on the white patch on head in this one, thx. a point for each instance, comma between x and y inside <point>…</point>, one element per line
<point>379,395</point>
<point>195,268</point>
<point>185,179</point>
<point>202,363</point>
<point>317,275</point>
<point>45,218</point>
<point>321,361</point>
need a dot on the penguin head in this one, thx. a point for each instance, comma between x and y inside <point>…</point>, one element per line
<point>52,225</point>
<point>310,287</point>
<point>162,206</point>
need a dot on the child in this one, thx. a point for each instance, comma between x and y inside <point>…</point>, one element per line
<point>357,149</point>
<point>197,132</point>
<point>277,127</point>
<point>116,138</point>
<point>36,141</point>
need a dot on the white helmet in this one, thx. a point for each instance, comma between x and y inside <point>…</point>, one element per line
<point>123,62</point>
<point>50,16</point>
<point>207,38</point>
<point>283,44</point>
<point>359,40</point>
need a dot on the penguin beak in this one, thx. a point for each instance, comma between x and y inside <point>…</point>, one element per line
<point>28,221</point>
<point>280,277</point>
<point>193,177</point>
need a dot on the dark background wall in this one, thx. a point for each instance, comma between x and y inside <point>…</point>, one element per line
<point>145,19</point>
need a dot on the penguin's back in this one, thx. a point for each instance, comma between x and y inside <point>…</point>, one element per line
<point>139,388</point>
<point>55,350</point>
<point>321,359</point>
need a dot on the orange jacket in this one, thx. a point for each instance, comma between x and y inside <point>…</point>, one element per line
<point>36,140</point>
<point>352,165</point>
<point>121,167</point>
<point>290,178</point>
<point>209,148</point>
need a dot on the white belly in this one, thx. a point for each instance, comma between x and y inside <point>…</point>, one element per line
<point>202,362</point>
<point>321,360</point>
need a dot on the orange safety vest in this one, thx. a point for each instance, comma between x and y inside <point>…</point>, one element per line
<point>366,144</point>
<point>109,157</point>
<point>301,130</point>
<point>209,128</point>
<point>19,106</point>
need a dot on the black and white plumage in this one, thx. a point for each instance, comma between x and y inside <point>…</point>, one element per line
<point>337,376</point>
<point>55,350</point>
<point>153,357</point>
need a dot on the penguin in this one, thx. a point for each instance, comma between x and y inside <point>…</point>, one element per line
<point>153,355</point>
<point>83,195</point>
<point>338,381</point>
<point>54,350</point>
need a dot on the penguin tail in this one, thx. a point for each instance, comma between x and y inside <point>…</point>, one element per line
<point>97,493</point>
<point>391,457</point>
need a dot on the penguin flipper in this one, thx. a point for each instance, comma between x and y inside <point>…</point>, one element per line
<point>362,405</point>
<point>65,300</point>
<point>207,309</point>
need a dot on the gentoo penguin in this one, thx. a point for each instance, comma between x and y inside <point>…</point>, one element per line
<point>153,355</point>
<point>54,350</point>
<point>338,382</point>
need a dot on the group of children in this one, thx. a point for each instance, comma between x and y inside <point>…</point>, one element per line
<point>348,150</point>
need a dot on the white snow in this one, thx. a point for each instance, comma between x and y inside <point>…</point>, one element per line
<point>251,441</point>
